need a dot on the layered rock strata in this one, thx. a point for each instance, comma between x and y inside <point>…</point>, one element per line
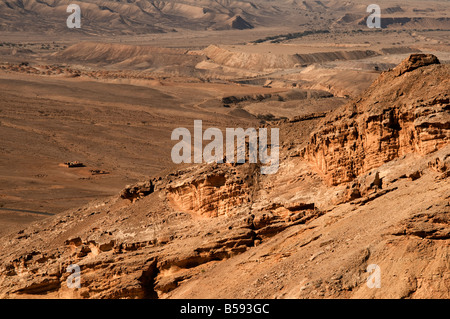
<point>406,110</point>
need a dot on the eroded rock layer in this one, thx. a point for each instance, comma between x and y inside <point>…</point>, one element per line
<point>406,110</point>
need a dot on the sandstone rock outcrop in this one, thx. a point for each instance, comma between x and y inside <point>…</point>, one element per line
<point>397,115</point>
<point>415,61</point>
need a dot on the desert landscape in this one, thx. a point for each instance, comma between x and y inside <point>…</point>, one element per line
<point>87,176</point>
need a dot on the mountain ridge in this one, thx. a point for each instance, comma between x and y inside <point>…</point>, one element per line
<point>287,235</point>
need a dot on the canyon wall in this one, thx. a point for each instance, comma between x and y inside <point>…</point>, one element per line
<point>397,115</point>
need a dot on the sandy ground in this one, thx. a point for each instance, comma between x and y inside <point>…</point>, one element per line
<point>122,125</point>
<point>120,129</point>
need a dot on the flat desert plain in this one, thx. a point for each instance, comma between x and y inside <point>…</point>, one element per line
<point>110,93</point>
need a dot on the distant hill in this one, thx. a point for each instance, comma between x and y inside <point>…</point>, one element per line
<point>154,16</point>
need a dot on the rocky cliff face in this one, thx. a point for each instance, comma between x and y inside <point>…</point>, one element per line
<point>210,193</point>
<point>406,110</point>
<point>224,231</point>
